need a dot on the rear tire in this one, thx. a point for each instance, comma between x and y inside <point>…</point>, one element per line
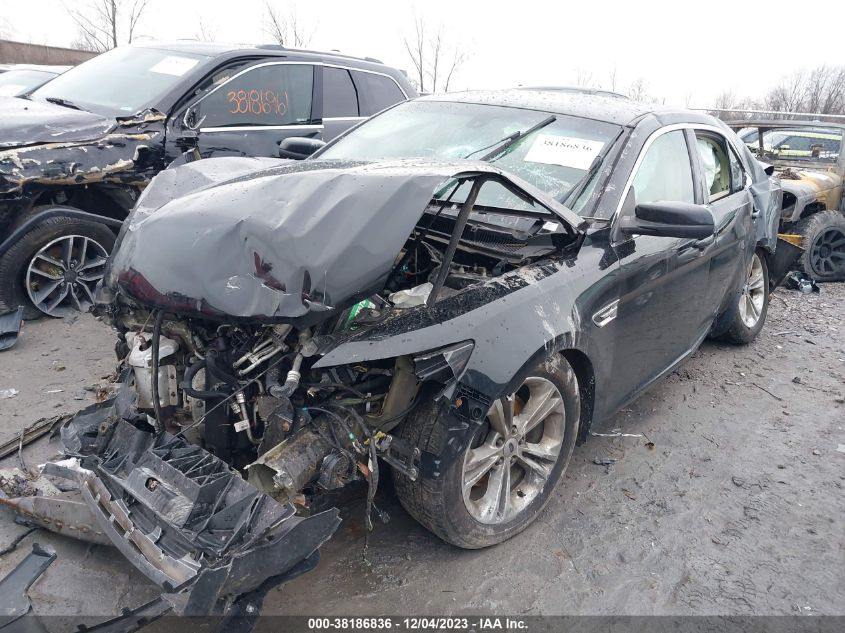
<point>516,472</point>
<point>743,322</point>
<point>823,240</point>
<point>15,266</point>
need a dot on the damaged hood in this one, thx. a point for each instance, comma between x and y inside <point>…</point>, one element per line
<point>26,122</point>
<point>286,242</point>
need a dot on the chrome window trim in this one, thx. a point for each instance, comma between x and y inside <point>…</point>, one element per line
<point>259,128</point>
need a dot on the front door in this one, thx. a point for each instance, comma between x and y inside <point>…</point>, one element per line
<point>731,204</point>
<point>253,111</point>
<point>661,313</point>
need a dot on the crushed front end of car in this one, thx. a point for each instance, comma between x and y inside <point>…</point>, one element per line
<point>275,326</point>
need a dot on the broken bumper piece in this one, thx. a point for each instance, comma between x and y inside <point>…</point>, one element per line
<point>187,521</point>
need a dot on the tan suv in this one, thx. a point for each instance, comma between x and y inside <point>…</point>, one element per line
<point>808,159</point>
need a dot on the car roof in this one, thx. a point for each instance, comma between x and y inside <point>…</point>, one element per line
<point>784,123</point>
<point>587,104</point>
<point>219,49</point>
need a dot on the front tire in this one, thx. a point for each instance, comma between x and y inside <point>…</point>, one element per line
<point>747,316</point>
<point>53,269</point>
<point>499,483</point>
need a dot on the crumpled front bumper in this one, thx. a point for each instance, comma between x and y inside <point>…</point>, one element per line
<point>186,520</point>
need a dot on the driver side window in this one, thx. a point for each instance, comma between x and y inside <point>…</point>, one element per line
<point>272,95</point>
<point>665,173</point>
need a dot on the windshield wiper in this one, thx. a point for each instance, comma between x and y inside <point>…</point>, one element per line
<point>510,140</point>
<point>62,102</point>
<point>578,188</point>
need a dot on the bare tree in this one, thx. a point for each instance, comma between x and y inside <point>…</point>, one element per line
<point>825,90</point>
<point>285,26</point>
<point>637,90</point>
<point>435,59</point>
<point>106,24</point>
<point>205,32</point>
<point>583,78</point>
<point>613,79</point>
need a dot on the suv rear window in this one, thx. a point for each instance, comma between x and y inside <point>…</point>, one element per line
<point>340,99</point>
<point>379,91</point>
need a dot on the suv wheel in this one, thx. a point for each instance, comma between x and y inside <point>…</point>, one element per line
<point>823,240</point>
<point>502,480</point>
<point>54,268</point>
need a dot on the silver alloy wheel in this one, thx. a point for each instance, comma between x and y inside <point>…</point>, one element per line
<point>753,293</point>
<point>507,468</point>
<point>62,276</point>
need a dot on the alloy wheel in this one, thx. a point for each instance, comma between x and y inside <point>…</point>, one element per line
<point>61,276</point>
<point>827,254</point>
<point>514,454</point>
<point>753,293</point>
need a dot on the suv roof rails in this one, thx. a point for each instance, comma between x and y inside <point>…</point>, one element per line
<point>279,47</point>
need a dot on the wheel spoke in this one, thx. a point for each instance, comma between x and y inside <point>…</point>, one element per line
<point>754,309</point>
<point>542,469</point>
<point>495,504</point>
<point>542,401</point>
<point>51,260</point>
<point>45,274</point>
<point>45,291</point>
<point>755,282</point>
<point>67,251</point>
<point>501,416</point>
<point>55,303</point>
<point>94,262</point>
<point>478,466</point>
<point>542,450</point>
<point>88,292</point>
<point>75,300</point>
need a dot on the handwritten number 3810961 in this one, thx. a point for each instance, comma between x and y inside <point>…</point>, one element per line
<point>259,102</point>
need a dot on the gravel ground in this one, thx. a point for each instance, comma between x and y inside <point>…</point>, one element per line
<point>727,500</point>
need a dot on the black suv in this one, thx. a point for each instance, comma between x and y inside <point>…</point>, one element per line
<point>77,152</point>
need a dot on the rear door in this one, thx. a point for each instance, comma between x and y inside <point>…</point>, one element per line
<point>341,109</point>
<point>661,315</point>
<point>252,111</point>
<point>729,199</point>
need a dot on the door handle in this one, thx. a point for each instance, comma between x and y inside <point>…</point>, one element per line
<point>704,242</point>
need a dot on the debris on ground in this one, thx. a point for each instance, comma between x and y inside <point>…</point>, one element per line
<point>8,393</point>
<point>14,602</point>
<point>604,461</point>
<point>801,282</point>
<point>10,327</point>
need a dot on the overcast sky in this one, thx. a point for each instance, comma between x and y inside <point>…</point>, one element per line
<point>687,52</point>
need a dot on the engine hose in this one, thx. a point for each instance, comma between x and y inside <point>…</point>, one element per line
<point>291,383</point>
<point>187,383</point>
<point>157,422</point>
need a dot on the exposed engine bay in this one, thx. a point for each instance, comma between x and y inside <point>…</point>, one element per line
<point>248,393</point>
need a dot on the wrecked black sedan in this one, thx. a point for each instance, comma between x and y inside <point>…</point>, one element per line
<point>457,289</point>
<point>76,153</point>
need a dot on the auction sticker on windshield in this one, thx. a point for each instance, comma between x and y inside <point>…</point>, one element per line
<point>173,65</point>
<point>565,151</point>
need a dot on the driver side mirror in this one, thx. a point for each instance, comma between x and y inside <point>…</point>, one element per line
<point>669,219</point>
<point>299,147</point>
